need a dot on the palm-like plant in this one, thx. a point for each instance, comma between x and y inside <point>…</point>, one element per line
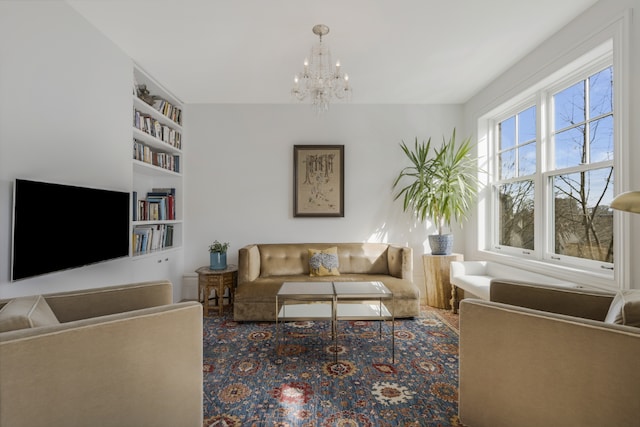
<point>441,186</point>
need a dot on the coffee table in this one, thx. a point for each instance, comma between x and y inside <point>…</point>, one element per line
<point>335,301</point>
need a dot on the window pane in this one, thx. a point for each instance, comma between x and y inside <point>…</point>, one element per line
<point>508,133</point>
<point>516,214</point>
<point>508,164</point>
<point>601,93</point>
<point>527,125</point>
<point>583,221</point>
<point>570,148</point>
<point>569,106</point>
<point>601,145</point>
<point>527,159</point>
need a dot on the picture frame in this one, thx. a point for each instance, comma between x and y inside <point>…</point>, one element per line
<point>318,180</point>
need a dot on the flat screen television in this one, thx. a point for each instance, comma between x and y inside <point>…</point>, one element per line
<point>59,227</point>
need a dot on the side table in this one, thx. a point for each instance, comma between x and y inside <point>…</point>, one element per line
<point>436,276</point>
<point>217,280</point>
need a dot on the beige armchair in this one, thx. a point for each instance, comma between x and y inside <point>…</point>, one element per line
<point>544,356</point>
<point>115,356</point>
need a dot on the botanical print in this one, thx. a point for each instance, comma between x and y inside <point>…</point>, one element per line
<point>319,181</point>
<point>320,184</point>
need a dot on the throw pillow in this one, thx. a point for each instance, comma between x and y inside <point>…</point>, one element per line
<point>323,262</point>
<point>625,309</point>
<point>26,312</point>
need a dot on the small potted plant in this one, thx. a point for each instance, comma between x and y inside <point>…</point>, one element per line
<point>218,255</point>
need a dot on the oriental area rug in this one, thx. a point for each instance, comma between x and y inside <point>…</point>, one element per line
<point>251,381</point>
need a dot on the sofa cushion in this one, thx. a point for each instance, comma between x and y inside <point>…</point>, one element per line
<point>625,309</point>
<point>26,312</point>
<point>323,262</point>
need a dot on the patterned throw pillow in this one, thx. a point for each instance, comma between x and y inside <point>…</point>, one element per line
<point>323,262</point>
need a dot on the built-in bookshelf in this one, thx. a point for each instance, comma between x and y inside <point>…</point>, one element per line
<point>157,168</point>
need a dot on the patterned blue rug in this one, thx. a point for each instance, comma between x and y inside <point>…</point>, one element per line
<point>251,381</point>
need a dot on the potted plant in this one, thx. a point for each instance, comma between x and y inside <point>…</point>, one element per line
<point>218,255</point>
<point>441,184</point>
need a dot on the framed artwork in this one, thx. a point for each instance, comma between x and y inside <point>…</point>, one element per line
<point>318,180</point>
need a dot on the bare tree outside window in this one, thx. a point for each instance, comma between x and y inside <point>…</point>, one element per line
<point>517,214</point>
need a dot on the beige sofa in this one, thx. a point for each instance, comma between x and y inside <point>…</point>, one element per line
<point>549,356</point>
<point>262,268</point>
<point>114,356</point>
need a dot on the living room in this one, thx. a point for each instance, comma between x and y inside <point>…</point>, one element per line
<point>59,65</point>
<point>65,117</point>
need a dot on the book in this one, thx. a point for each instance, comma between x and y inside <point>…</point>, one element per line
<point>134,205</point>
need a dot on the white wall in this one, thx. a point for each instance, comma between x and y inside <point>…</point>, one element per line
<point>550,56</point>
<point>239,173</point>
<point>65,108</point>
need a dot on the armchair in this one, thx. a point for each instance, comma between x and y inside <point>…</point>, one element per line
<point>113,356</point>
<point>544,356</point>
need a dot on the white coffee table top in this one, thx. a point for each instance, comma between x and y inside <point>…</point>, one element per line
<point>361,290</point>
<point>306,289</point>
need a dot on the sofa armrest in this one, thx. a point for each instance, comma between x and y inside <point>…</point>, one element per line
<point>400,261</point>
<point>464,268</point>
<point>571,301</point>
<point>129,369</point>
<point>86,303</point>
<point>248,263</point>
<point>526,368</point>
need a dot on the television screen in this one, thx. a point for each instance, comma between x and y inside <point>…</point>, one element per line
<point>58,227</point>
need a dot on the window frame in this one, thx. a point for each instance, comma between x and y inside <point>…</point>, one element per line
<point>544,223</point>
<point>612,45</point>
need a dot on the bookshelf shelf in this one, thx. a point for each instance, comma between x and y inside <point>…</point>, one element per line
<point>154,142</point>
<point>145,255</point>
<point>151,170</point>
<point>168,221</point>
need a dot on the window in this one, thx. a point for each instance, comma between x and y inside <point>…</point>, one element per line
<point>552,164</point>
<point>582,169</point>
<point>516,156</point>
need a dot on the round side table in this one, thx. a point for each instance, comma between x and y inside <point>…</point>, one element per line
<point>217,280</point>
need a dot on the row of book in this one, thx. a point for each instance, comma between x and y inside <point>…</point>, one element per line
<point>169,110</point>
<point>153,127</point>
<point>146,154</point>
<point>152,237</point>
<point>159,205</point>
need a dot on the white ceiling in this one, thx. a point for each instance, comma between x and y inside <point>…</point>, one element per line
<point>395,51</point>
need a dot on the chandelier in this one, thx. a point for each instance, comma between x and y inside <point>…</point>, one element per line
<point>321,80</point>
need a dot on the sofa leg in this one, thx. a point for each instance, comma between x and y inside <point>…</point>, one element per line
<point>455,301</point>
